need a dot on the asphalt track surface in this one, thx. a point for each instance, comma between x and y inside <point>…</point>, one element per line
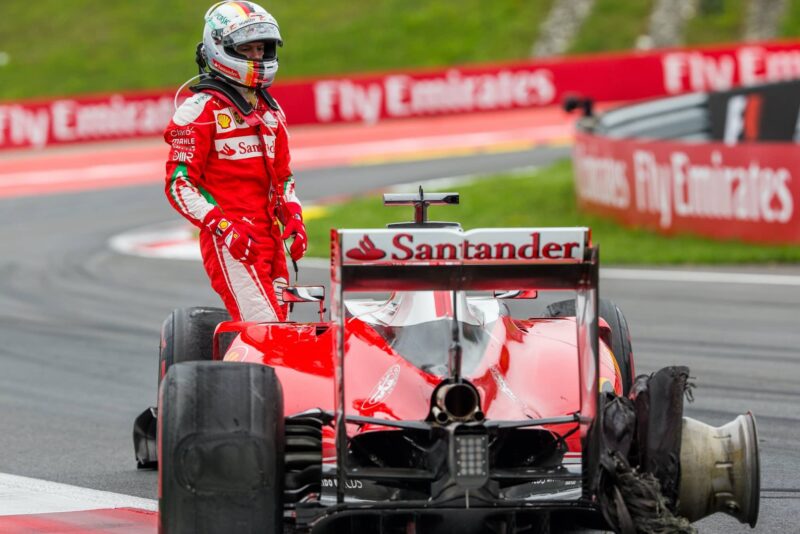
<point>79,331</point>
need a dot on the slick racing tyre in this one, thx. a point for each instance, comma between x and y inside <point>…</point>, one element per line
<point>187,335</point>
<point>222,443</point>
<point>620,335</point>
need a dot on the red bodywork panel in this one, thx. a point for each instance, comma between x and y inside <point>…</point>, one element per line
<point>529,370</point>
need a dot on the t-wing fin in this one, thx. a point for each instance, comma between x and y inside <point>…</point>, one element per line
<point>421,201</point>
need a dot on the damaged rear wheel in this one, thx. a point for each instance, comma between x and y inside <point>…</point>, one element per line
<point>660,470</point>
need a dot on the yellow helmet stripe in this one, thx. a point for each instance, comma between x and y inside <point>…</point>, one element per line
<point>243,8</point>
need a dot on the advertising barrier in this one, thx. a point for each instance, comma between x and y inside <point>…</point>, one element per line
<point>371,98</point>
<point>605,77</point>
<point>749,191</point>
<point>82,119</point>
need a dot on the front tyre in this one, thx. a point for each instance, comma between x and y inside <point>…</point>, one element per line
<point>187,334</point>
<point>221,440</point>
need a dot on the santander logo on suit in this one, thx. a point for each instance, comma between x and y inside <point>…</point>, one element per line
<point>246,146</point>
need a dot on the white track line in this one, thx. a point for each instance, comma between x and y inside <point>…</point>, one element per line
<point>699,277</point>
<point>90,173</point>
<point>23,495</point>
<point>141,242</point>
<point>426,143</point>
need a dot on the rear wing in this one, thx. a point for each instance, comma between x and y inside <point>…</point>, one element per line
<point>412,259</point>
<point>496,258</point>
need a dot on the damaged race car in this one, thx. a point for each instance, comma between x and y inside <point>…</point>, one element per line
<point>425,405</point>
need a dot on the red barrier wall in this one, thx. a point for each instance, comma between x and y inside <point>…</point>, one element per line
<point>607,77</point>
<point>86,118</point>
<point>371,98</point>
<point>749,191</point>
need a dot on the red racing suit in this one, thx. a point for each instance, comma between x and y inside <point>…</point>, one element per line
<point>217,159</point>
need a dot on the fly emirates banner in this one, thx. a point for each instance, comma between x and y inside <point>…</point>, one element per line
<point>371,98</point>
<point>749,191</point>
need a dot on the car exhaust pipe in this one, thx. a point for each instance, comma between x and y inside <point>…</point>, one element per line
<point>720,469</point>
<point>457,402</point>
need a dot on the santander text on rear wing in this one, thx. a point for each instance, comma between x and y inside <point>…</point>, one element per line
<point>415,259</point>
<point>448,258</point>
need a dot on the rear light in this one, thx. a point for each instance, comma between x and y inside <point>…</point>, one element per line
<point>469,459</point>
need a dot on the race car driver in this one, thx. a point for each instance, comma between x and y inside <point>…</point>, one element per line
<point>228,166</point>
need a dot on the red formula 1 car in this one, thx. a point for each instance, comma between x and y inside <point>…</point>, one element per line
<point>425,405</point>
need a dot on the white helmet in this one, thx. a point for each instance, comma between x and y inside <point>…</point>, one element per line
<point>230,24</point>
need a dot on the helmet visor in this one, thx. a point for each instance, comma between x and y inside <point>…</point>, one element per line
<point>258,31</point>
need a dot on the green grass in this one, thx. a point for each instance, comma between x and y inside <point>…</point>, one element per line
<point>790,24</point>
<point>58,48</point>
<point>369,35</point>
<point>55,47</point>
<point>613,25</point>
<point>546,198</point>
<point>717,21</point>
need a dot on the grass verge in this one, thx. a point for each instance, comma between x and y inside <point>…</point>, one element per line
<point>717,21</point>
<point>613,26</point>
<point>52,47</point>
<point>546,198</point>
